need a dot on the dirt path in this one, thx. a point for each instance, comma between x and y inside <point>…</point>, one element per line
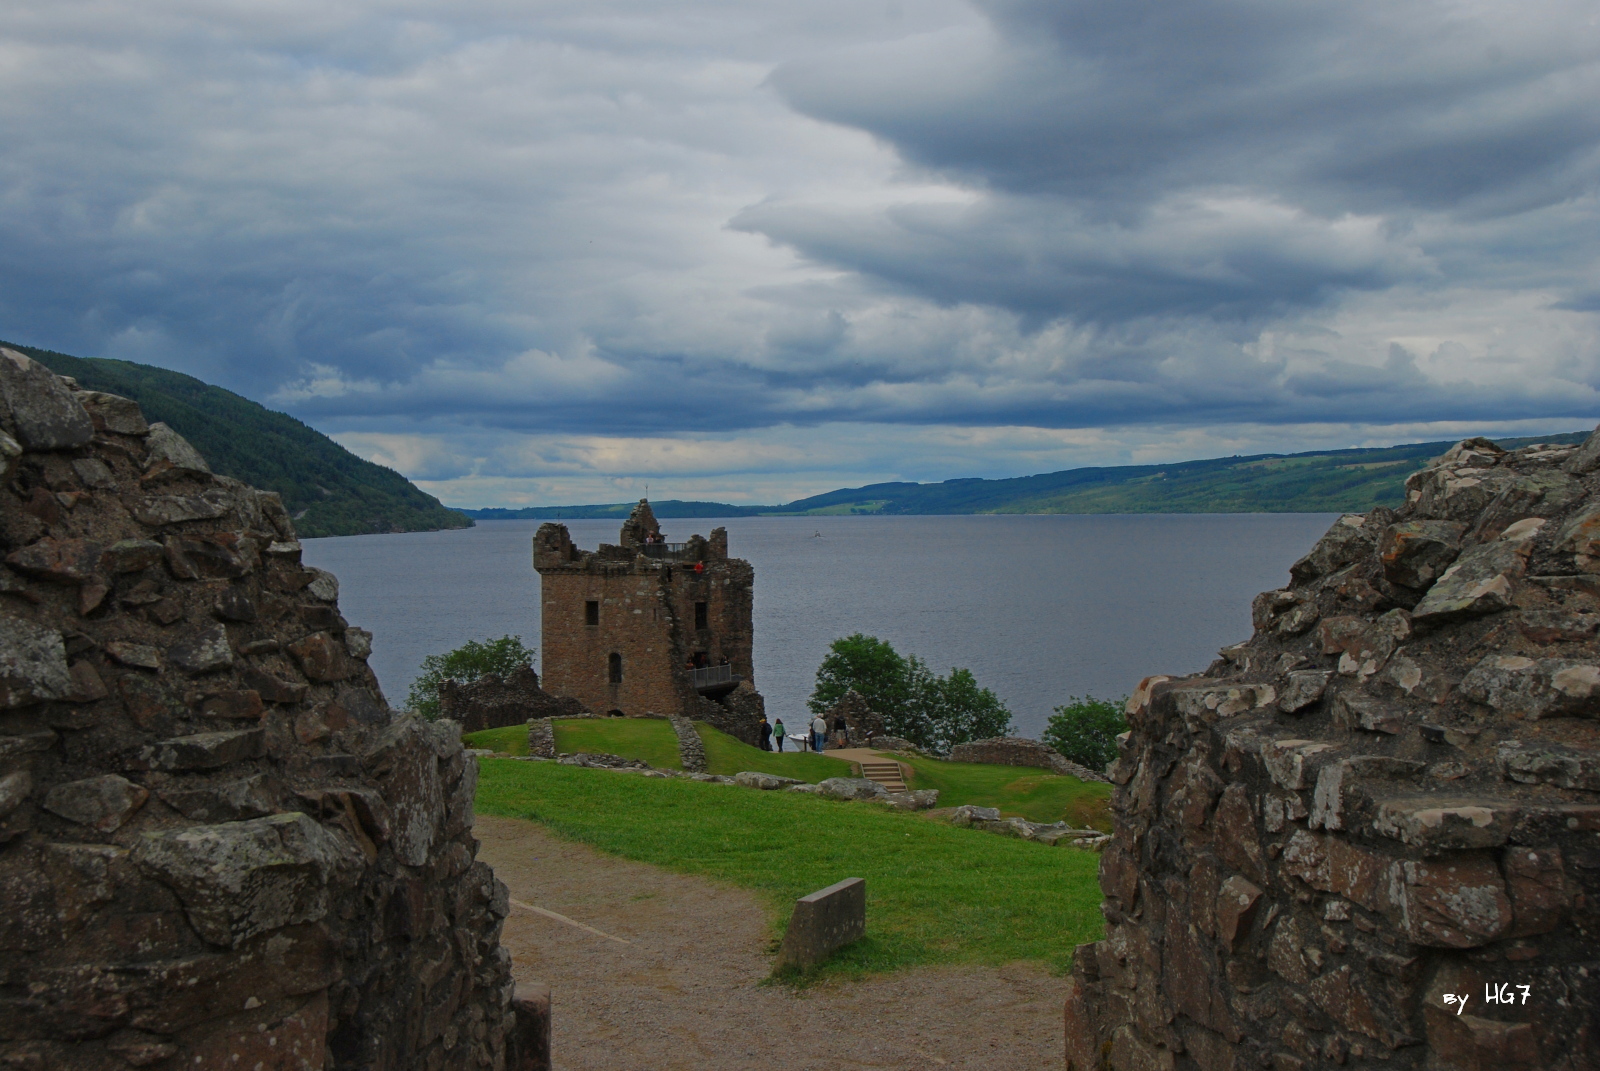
<point>684,992</point>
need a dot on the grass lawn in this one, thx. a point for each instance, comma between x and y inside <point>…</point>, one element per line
<point>1024,791</point>
<point>726,755</point>
<point>935,893</point>
<point>1017,790</point>
<point>510,740</point>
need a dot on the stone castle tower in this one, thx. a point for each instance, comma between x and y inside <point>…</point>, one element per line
<point>649,628</point>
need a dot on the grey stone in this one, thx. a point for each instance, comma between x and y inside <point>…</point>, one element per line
<point>358,641</point>
<point>1540,763</point>
<point>1437,826</point>
<point>37,408</point>
<point>204,751</point>
<point>10,450</point>
<point>919,799</point>
<point>15,787</point>
<point>1347,540</point>
<point>1304,688</point>
<point>1587,457</point>
<point>324,586</point>
<point>1415,553</point>
<point>113,412</point>
<point>241,879</point>
<point>1529,688</point>
<point>132,555</point>
<point>1352,709</point>
<point>157,510</point>
<point>403,758</point>
<point>202,651</point>
<point>33,664</point>
<point>1480,582</point>
<point>528,1041</point>
<point>103,802</point>
<point>807,789</point>
<point>968,815</point>
<point>851,788</point>
<point>764,781</point>
<point>822,923</point>
<point>249,797</point>
<point>94,473</point>
<point>167,448</point>
<point>1331,800</point>
<point>26,743</point>
<point>139,655</point>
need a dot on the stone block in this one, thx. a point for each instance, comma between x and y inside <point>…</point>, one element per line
<point>851,788</point>
<point>203,751</point>
<point>1480,582</point>
<point>165,449</point>
<point>322,657</point>
<point>1465,1042</point>
<point>1415,553</point>
<point>113,413</point>
<point>37,408</point>
<point>159,510</point>
<point>33,664</point>
<point>1459,902</point>
<point>103,803</point>
<point>1332,864</point>
<point>528,1041</point>
<point>240,879</point>
<point>1235,911</point>
<point>823,922</point>
<point>203,650</point>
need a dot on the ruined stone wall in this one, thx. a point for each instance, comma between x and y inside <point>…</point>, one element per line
<point>1388,798</point>
<point>1020,751</point>
<point>646,615</point>
<point>217,848</point>
<point>492,702</point>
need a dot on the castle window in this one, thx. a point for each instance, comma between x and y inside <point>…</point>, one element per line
<point>616,668</point>
<point>591,613</point>
<point>700,615</point>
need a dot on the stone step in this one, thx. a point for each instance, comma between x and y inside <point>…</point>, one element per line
<point>885,773</point>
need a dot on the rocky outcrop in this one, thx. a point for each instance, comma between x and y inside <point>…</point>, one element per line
<point>218,847</point>
<point>738,713</point>
<point>493,702</point>
<point>1020,751</point>
<point>1367,836</point>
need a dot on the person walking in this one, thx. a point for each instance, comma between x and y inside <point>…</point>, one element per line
<point>766,734</point>
<point>819,733</point>
<point>841,731</point>
<point>777,733</point>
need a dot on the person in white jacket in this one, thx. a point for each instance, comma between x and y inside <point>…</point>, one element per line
<point>819,733</point>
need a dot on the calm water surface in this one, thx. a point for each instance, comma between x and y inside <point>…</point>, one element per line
<point>1039,608</point>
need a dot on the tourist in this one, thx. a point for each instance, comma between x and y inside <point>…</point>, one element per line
<point>766,734</point>
<point>819,733</point>
<point>841,731</point>
<point>777,733</point>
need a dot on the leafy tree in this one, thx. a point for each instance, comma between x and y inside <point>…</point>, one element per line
<point>932,712</point>
<point>869,665</point>
<point>468,662</point>
<point>1086,730</point>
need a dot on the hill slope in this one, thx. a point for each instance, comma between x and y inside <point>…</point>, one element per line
<point>329,490</point>
<point>1325,481</point>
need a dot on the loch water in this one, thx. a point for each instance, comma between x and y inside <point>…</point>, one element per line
<point>1039,608</point>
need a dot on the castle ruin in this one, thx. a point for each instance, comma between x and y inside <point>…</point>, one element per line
<point>647,628</point>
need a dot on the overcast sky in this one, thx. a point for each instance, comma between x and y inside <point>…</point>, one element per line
<point>540,253</point>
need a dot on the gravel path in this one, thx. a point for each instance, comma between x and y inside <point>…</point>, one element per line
<point>685,993</point>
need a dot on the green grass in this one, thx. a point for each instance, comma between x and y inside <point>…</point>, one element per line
<point>726,755</point>
<point>935,893</point>
<point>1024,791</point>
<point>649,739</point>
<point>510,740</point>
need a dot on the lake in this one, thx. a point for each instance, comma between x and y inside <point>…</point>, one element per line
<point>1039,608</point>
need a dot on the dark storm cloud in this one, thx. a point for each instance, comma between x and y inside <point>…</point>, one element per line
<point>443,229</point>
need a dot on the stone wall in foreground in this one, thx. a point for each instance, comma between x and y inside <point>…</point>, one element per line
<point>1385,802</point>
<point>218,848</point>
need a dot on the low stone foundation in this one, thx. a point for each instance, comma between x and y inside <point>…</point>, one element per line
<point>1020,751</point>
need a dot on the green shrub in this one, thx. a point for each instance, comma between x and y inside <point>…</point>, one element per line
<point>468,662</point>
<point>1086,730</point>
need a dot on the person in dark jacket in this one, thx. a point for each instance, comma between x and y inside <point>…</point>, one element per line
<point>766,734</point>
<point>841,731</point>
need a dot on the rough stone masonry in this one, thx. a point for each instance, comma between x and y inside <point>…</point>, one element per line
<point>1369,837</point>
<point>218,848</point>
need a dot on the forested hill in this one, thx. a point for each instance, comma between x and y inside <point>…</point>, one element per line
<point>329,490</point>
<point>1327,481</point>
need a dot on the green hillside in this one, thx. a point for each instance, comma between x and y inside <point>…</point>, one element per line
<point>1324,481</point>
<point>327,489</point>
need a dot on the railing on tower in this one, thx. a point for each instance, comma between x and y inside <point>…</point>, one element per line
<point>711,676</point>
<point>667,551</point>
